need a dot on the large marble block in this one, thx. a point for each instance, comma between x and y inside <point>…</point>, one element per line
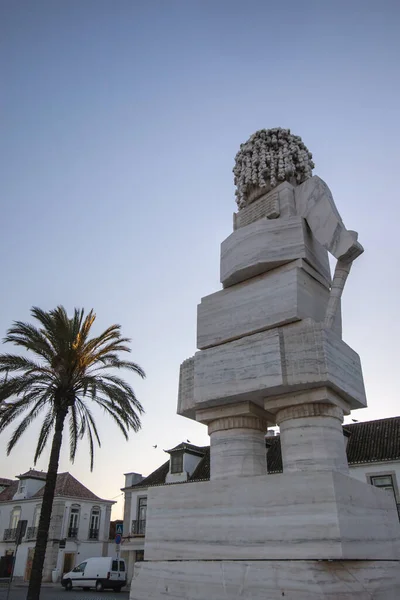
<point>279,361</point>
<point>245,369</point>
<point>186,405</point>
<point>325,515</point>
<point>265,245</point>
<point>266,580</point>
<point>284,295</point>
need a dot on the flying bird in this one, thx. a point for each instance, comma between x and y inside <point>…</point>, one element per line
<point>155,446</point>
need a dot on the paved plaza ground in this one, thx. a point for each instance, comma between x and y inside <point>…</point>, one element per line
<point>57,592</point>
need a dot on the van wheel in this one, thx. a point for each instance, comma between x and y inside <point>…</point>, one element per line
<point>99,586</point>
<point>68,585</point>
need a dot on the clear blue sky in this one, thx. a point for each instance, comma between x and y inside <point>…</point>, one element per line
<point>120,121</point>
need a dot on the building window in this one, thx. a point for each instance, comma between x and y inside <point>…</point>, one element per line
<point>139,526</point>
<point>15,517</point>
<point>10,534</point>
<point>32,531</point>
<point>36,517</point>
<point>22,486</point>
<point>139,555</point>
<point>142,508</point>
<point>94,524</point>
<point>384,482</point>
<point>177,462</point>
<point>73,521</point>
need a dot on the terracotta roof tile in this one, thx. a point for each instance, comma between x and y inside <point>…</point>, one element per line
<point>66,486</point>
<point>157,477</point>
<point>188,448</point>
<point>274,456</point>
<point>32,474</point>
<point>374,441</point>
<point>7,494</point>
<point>5,481</point>
<point>202,471</point>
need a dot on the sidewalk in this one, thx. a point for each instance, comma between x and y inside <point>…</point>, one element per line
<point>16,584</point>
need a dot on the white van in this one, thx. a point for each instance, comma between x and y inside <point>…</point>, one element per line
<point>100,573</point>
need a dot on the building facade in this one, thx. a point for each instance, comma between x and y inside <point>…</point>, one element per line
<point>373,454</point>
<point>79,527</point>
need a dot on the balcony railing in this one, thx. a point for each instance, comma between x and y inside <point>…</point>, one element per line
<point>10,535</point>
<point>31,533</point>
<point>72,532</point>
<point>139,527</point>
<point>93,534</point>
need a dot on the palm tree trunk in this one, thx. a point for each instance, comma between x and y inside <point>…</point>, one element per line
<point>35,581</point>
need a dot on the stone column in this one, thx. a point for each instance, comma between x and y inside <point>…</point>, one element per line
<point>312,438</point>
<point>237,447</point>
<point>53,544</point>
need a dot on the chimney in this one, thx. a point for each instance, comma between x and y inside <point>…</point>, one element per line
<point>132,479</point>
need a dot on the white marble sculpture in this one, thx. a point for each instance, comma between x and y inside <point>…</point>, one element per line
<point>271,353</point>
<point>269,157</point>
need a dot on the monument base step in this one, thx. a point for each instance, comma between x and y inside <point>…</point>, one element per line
<point>266,580</point>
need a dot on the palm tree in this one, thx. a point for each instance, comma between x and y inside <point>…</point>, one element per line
<point>67,373</point>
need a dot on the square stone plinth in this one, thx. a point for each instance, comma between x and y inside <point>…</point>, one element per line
<point>267,244</point>
<point>266,580</point>
<point>319,515</point>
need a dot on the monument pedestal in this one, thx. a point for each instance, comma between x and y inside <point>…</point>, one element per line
<point>267,580</point>
<point>319,533</point>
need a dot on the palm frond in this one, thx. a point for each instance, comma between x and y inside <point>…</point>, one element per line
<point>11,362</point>
<point>37,408</point>
<point>69,372</point>
<point>30,338</point>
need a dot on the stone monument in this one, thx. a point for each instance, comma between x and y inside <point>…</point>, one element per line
<point>271,353</point>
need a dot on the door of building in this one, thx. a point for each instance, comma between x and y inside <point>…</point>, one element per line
<point>6,562</point>
<point>29,561</point>
<point>69,562</point>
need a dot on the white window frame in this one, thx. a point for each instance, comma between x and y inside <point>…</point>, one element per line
<point>177,457</point>
<point>381,474</point>
<point>95,516</point>
<point>141,507</point>
<point>36,515</point>
<point>17,510</point>
<point>73,523</point>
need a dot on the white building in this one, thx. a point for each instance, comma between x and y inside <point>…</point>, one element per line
<point>373,453</point>
<point>79,527</point>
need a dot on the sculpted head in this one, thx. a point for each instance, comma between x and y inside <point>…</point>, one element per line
<point>269,157</point>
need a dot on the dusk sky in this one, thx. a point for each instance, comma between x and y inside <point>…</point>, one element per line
<point>120,121</point>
